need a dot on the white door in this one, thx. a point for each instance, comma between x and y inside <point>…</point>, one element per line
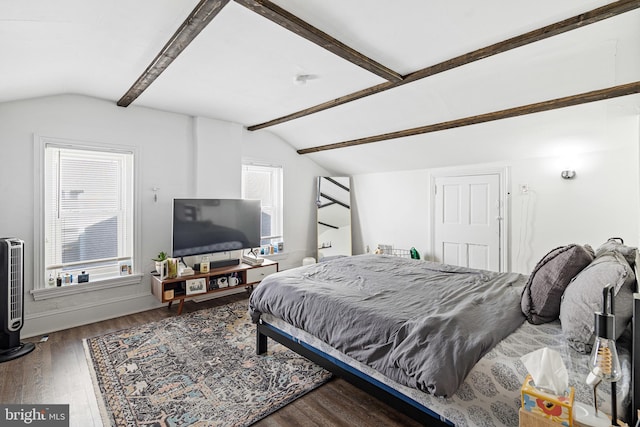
<point>467,221</point>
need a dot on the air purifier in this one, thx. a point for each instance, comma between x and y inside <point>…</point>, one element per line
<point>12,299</point>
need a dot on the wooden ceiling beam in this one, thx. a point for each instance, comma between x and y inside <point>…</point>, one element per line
<point>578,21</point>
<point>197,20</point>
<point>568,101</point>
<point>276,14</point>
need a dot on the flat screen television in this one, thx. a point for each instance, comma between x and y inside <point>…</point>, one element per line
<point>202,226</point>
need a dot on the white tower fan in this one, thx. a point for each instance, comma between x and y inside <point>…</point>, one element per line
<point>12,300</point>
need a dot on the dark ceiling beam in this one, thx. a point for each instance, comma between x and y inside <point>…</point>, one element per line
<point>197,20</point>
<point>296,25</point>
<point>568,101</point>
<point>578,21</point>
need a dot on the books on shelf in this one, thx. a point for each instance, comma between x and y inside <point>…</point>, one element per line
<point>252,260</point>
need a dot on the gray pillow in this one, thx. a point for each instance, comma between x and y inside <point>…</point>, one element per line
<point>617,244</point>
<point>541,296</point>
<point>583,297</point>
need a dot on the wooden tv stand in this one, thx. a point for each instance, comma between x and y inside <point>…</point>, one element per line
<point>170,290</point>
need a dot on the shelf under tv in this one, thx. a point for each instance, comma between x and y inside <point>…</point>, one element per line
<point>248,276</point>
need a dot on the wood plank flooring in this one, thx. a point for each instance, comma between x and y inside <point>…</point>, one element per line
<point>57,372</point>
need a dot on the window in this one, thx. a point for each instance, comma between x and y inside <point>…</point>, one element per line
<point>264,182</point>
<point>88,213</point>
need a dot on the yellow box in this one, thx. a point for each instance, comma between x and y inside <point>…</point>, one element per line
<point>168,294</point>
<point>558,409</point>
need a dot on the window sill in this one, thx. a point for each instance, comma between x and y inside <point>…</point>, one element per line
<point>274,256</point>
<point>63,291</point>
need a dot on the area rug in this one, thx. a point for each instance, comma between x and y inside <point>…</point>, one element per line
<point>198,369</point>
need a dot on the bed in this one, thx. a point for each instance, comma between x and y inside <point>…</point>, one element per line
<point>440,343</point>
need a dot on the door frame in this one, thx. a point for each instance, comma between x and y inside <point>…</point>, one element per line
<point>505,208</point>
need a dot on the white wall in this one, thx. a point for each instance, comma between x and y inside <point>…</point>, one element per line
<point>218,157</point>
<point>601,202</point>
<point>391,208</point>
<point>180,156</point>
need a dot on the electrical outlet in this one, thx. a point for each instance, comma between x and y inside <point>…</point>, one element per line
<point>524,188</point>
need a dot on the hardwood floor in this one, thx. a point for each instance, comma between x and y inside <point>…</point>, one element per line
<point>57,372</point>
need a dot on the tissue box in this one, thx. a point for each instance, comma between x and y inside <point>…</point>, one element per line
<point>558,409</point>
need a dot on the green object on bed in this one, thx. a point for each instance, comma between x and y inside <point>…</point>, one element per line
<point>414,253</point>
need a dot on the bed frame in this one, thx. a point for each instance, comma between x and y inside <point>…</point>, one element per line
<point>403,403</point>
<point>635,360</point>
<point>366,383</point>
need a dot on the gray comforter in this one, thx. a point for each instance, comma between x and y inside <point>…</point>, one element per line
<point>422,324</point>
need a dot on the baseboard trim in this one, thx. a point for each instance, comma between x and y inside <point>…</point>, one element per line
<point>70,317</point>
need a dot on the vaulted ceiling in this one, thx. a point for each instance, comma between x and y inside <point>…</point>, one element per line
<point>329,73</point>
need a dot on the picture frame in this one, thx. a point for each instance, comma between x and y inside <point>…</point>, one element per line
<point>196,286</point>
<point>125,268</point>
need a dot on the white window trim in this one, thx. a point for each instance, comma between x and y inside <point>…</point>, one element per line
<point>40,291</point>
<point>63,291</point>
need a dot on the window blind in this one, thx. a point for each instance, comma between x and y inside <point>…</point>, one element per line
<point>264,183</point>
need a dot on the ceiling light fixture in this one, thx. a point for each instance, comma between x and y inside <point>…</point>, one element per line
<point>301,79</point>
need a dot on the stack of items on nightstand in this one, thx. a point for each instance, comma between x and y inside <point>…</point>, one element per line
<point>548,401</point>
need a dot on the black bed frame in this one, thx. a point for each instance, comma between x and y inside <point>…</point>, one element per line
<point>635,360</point>
<point>265,330</point>
<point>363,382</point>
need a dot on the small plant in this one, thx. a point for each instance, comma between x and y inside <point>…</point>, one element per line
<point>161,257</point>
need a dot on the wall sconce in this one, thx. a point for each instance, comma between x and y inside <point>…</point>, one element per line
<point>568,174</point>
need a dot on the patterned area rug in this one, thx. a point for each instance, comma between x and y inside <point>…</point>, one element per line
<point>198,369</point>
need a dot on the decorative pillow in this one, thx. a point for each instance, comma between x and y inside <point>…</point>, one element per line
<point>583,297</point>
<point>541,296</point>
<point>617,244</point>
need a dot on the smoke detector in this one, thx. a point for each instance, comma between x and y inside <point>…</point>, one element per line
<point>301,79</point>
